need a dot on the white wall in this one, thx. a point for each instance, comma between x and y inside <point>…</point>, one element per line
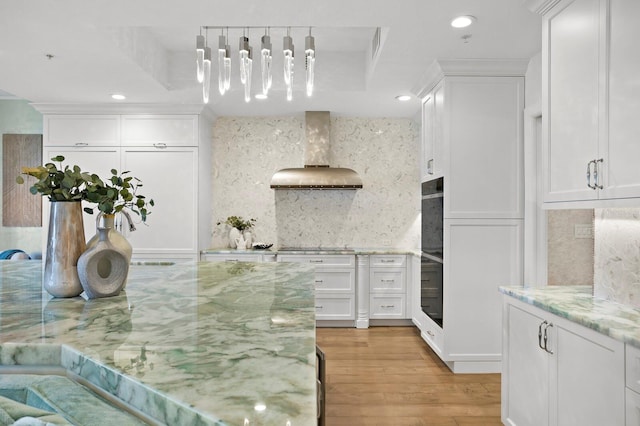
<point>17,116</point>
<point>385,213</point>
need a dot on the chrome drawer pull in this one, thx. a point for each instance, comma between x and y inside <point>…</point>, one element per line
<point>231,260</point>
<point>319,307</point>
<point>430,333</point>
<point>387,281</point>
<point>160,145</point>
<point>81,144</point>
<point>387,306</point>
<point>319,281</point>
<point>315,261</point>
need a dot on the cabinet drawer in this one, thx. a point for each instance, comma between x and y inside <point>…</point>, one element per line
<point>320,261</point>
<point>392,260</point>
<point>160,130</point>
<point>632,367</point>
<point>82,130</point>
<point>334,281</point>
<point>387,280</point>
<point>232,257</point>
<point>335,308</point>
<point>433,334</point>
<point>387,306</point>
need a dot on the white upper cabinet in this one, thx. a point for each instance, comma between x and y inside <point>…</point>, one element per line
<point>590,101</point>
<point>432,133</point>
<point>82,130</point>
<point>160,130</point>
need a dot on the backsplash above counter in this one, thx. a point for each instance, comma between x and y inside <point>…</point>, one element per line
<point>247,151</point>
<point>617,255</point>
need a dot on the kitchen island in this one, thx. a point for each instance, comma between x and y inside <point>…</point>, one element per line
<point>186,344</point>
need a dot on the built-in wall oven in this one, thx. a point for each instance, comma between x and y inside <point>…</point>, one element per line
<point>431,271</point>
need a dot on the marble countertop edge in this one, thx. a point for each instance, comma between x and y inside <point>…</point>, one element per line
<point>320,250</point>
<point>577,304</point>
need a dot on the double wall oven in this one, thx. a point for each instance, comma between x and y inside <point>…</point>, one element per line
<point>431,270</point>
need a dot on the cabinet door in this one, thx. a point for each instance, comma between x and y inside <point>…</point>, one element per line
<point>571,95</point>
<point>160,130</point>
<point>82,130</point>
<point>525,375</point>
<point>621,174</point>
<point>95,160</point>
<point>484,159</point>
<point>588,378</point>
<point>170,178</point>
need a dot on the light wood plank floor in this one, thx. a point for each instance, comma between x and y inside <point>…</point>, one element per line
<point>388,376</point>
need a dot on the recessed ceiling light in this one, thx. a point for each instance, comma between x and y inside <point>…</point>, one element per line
<point>463,21</point>
<point>118,97</point>
<point>260,96</point>
<point>403,98</point>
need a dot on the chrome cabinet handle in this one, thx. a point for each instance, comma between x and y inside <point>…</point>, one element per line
<point>319,307</point>
<point>315,261</point>
<point>81,144</point>
<point>546,348</point>
<point>589,174</point>
<point>319,281</point>
<point>160,145</point>
<point>540,334</point>
<point>430,166</point>
<point>387,306</point>
<point>387,281</point>
<point>231,260</point>
<point>596,175</point>
<point>430,333</point>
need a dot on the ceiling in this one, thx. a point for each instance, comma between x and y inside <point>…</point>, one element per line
<point>145,49</point>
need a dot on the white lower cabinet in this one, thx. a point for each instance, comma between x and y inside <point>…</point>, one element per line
<point>231,257</point>
<point>387,287</point>
<point>334,283</point>
<point>556,372</point>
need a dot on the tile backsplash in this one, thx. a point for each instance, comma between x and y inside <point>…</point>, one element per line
<point>247,151</point>
<point>617,255</point>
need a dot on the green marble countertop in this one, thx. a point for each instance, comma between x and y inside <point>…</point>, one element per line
<point>188,344</point>
<point>317,251</point>
<point>577,304</point>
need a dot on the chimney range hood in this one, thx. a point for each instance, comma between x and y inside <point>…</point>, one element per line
<point>316,173</point>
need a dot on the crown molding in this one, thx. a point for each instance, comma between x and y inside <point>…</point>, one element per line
<point>469,68</point>
<point>540,6</point>
<point>123,108</point>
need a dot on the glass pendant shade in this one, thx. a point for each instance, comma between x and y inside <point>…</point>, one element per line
<point>266,59</point>
<point>227,67</point>
<point>206,83</point>
<point>243,53</point>
<point>247,84</point>
<point>222,51</point>
<point>200,58</point>
<point>288,50</point>
<point>310,60</point>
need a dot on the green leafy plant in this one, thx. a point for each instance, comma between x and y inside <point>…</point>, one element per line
<point>239,223</point>
<point>59,183</point>
<point>117,193</point>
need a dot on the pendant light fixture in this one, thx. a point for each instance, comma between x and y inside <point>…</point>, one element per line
<point>246,64</point>
<point>224,64</point>
<point>206,81</point>
<point>265,60</point>
<point>309,61</point>
<point>245,55</point>
<point>289,53</point>
<point>200,57</point>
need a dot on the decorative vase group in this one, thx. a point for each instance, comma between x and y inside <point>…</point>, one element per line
<point>240,240</point>
<point>99,267</point>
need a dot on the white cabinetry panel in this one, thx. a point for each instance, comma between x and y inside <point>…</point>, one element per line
<point>82,130</point>
<point>160,130</point>
<point>169,179</point>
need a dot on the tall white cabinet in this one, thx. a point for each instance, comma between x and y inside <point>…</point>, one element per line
<point>167,149</point>
<point>590,102</point>
<point>473,137</point>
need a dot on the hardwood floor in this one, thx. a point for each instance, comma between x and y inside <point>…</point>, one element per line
<point>388,376</point>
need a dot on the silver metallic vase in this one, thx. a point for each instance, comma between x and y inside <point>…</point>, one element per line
<point>65,244</point>
<point>103,268</point>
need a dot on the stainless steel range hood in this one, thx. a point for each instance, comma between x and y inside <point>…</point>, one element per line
<point>316,173</point>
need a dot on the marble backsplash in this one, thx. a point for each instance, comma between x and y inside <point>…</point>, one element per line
<point>247,151</point>
<point>569,259</point>
<point>617,255</point>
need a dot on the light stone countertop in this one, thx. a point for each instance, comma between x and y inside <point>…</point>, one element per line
<point>187,344</point>
<point>318,251</point>
<point>577,304</point>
